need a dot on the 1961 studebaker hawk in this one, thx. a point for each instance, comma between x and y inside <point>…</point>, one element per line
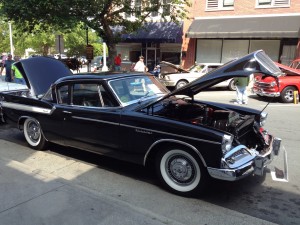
<point>133,117</point>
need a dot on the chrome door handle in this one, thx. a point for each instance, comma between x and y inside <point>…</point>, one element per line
<point>67,112</point>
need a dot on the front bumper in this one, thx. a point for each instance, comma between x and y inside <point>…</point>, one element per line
<point>241,162</point>
<point>167,83</point>
<point>263,92</point>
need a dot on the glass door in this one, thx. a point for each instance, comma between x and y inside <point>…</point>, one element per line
<point>151,58</point>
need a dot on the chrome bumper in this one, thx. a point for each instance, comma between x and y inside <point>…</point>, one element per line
<point>261,92</point>
<point>241,162</point>
<point>167,83</point>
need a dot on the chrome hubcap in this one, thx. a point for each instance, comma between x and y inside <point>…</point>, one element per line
<point>180,169</point>
<point>33,131</point>
<point>289,95</point>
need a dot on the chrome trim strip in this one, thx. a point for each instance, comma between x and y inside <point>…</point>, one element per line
<point>27,108</point>
<point>145,130</point>
<point>178,142</point>
<point>167,133</point>
<point>94,120</point>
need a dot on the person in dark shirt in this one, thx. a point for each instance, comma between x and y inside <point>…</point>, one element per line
<point>7,64</point>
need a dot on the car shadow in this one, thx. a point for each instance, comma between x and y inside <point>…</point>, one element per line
<point>264,98</point>
<point>250,196</point>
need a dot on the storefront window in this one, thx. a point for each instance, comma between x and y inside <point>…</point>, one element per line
<point>172,57</point>
<point>208,51</point>
<point>271,47</point>
<point>218,50</point>
<point>233,49</point>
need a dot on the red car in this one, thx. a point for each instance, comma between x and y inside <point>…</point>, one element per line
<point>288,83</point>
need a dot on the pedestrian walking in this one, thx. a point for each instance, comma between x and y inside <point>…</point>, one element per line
<point>241,84</point>
<point>7,64</point>
<point>118,62</point>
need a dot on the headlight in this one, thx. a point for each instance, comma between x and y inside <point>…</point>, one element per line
<point>273,84</point>
<point>226,143</point>
<point>263,118</point>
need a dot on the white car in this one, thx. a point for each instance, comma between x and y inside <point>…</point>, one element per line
<point>8,86</point>
<point>183,77</point>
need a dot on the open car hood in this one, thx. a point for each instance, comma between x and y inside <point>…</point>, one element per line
<point>255,62</point>
<point>178,68</point>
<point>288,70</point>
<point>40,72</point>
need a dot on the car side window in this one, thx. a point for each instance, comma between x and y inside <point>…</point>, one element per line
<point>62,94</point>
<point>84,94</point>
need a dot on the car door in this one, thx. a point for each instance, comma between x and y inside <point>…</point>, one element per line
<point>89,123</point>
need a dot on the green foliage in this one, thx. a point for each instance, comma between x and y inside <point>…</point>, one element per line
<point>100,15</point>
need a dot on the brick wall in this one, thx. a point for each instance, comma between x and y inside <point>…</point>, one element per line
<point>241,7</point>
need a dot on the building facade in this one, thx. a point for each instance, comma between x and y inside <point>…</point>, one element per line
<point>222,30</point>
<point>157,40</point>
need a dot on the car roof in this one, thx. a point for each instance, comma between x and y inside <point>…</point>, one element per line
<point>100,76</point>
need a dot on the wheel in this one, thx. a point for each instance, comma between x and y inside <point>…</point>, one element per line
<point>287,94</point>
<point>34,135</point>
<point>181,172</point>
<point>231,86</point>
<point>181,83</point>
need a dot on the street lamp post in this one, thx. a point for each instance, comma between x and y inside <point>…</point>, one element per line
<point>104,67</point>
<point>10,39</point>
<point>87,43</point>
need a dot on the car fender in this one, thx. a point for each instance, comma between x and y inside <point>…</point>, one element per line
<point>164,141</point>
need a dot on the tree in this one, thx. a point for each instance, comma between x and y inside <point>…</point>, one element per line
<point>100,15</point>
<point>4,37</point>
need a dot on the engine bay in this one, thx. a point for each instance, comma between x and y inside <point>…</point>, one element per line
<point>189,111</point>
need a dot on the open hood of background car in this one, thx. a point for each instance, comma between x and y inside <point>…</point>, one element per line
<point>178,68</point>
<point>40,72</point>
<point>288,70</point>
<point>255,62</point>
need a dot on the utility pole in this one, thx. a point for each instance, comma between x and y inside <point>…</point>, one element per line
<point>10,39</point>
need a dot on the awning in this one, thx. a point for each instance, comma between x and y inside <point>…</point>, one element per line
<point>159,32</point>
<point>286,26</point>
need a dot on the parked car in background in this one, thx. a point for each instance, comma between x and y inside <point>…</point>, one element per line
<point>182,77</point>
<point>133,117</point>
<point>97,63</point>
<point>289,82</point>
<point>10,86</point>
<point>60,56</point>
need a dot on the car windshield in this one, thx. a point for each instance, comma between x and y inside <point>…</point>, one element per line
<point>136,89</point>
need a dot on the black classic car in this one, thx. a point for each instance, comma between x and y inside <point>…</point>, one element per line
<point>133,117</point>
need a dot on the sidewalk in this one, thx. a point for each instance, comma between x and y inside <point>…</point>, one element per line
<point>34,197</point>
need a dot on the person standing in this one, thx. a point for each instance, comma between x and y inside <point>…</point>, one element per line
<point>156,71</point>
<point>16,76</point>
<point>241,90</point>
<point>7,64</point>
<point>140,65</point>
<point>118,62</point>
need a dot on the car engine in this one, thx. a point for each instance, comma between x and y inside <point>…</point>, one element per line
<point>241,126</point>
